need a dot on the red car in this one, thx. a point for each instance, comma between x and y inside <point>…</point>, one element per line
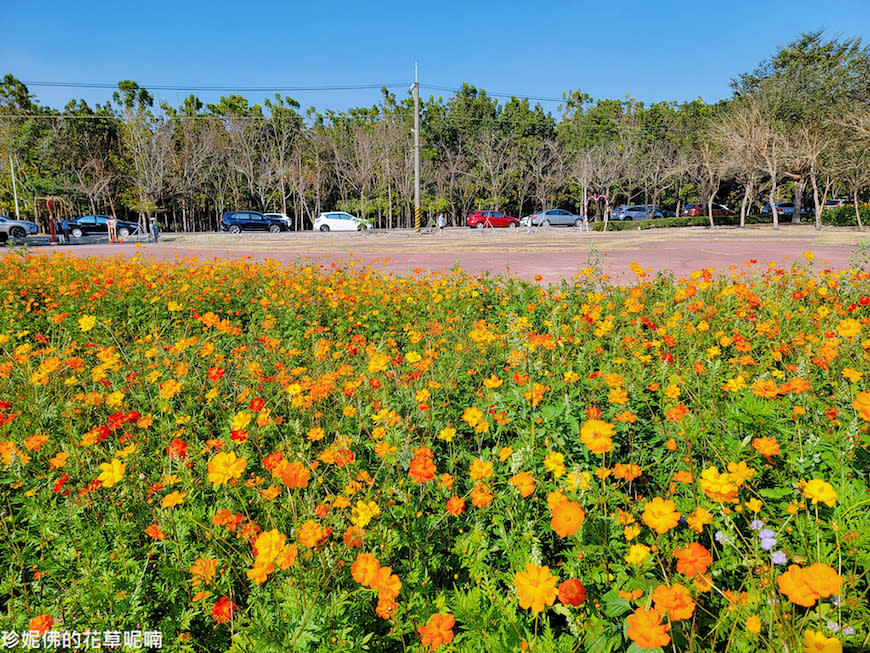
<point>697,210</point>
<point>481,219</point>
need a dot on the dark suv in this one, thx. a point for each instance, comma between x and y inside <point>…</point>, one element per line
<point>238,221</point>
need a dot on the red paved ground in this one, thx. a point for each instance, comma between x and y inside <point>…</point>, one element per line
<point>554,255</point>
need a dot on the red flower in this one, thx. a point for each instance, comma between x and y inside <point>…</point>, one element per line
<point>257,404</point>
<point>177,449</point>
<point>572,592</point>
<point>223,610</point>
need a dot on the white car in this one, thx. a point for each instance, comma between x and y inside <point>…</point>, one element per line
<point>16,229</point>
<point>339,221</point>
<point>286,219</point>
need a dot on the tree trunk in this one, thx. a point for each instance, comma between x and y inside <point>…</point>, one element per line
<point>855,204</point>
<point>817,206</point>
<point>799,187</point>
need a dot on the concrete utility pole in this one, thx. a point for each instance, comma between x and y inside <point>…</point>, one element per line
<point>14,187</point>
<point>417,210</point>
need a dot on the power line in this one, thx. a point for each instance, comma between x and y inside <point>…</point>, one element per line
<point>222,89</point>
<point>518,96</point>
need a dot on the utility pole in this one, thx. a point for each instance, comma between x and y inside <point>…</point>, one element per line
<point>14,187</point>
<point>417,210</point>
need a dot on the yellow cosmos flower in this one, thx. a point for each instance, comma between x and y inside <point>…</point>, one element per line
<point>849,328</point>
<point>173,499</point>
<point>363,512</point>
<point>225,466</point>
<point>87,322</point>
<point>637,554</point>
<point>555,463</point>
<point>817,642</point>
<point>269,544</point>
<point>112,472</point>
<point>853,375</point>
<point>447,434</point>
<point>241,420</point>
<point>820,491</point>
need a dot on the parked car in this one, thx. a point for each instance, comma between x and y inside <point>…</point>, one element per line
<point>238,221</point>
<point>667,213</point>
<point>551,217</point>
<point>833,204</point>
<point>699,209</point>
<point>636,212</point>
<point>17,229</point>
<point>281,216</point>
<point>481,219</point>
<point>339,221</point>
<point>86,225</point>
<point>783,208</point>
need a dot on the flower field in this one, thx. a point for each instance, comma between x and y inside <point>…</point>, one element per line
<point>252,457</point>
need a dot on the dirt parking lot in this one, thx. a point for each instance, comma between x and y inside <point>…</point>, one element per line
<point>553,254</point>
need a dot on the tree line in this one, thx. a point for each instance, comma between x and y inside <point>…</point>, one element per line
<point>797,129</point>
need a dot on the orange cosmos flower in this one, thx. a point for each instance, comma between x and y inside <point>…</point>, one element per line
<point>154,531</point>
<point>693,560</point>
<point>765,388</point>
<point>572,592</point>
<point>862,405</point>
<point>260,572</point>
<point>645,628</point>
<point>536,587</point>
<point>268,545</point>
<point>698,519</point>
<point>310,533</point>
<point>597,436</point>
<point>480,469</point>
<point>41,623</point>
<point>661,515</point>
<point>481,497</point>
<point>455,505</point>
<point>674,601</point>
<point>203,571</point>
<point>292,474</point>
<point>766,447</point>
<point>223,610</point>
<point>524,482</point>
<point>386,583</point>
<point>568,517</point>
<point>421,468</point>
<point>365,569</point>
<point>626,472</point>
<point>437,631</point>
<point>287,556</point>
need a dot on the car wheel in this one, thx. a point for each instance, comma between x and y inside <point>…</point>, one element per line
<point>362,227</point>
<point>479,225</point>
<point>77,233</point>
<point>123,232</point>
<point>274,229</point>
<point>235,229</point>
<point>545,223</point>
<point>578,222</point>
<point>628,218</point>
<point>324,228</point>
<point>512,225</point>
<point>17,232</point>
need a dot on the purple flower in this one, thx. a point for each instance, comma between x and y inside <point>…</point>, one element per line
<point>721,538</point>
<point>756,525</point>
<point>848,630</point>
<point>766,534</point>
<point>779,558</point>
<point>768,543</point>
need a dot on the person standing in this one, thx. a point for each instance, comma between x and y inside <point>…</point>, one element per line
<point>442,222</point>
<point>112,222</point>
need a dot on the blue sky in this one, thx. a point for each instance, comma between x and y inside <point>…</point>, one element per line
<point>649,50</point>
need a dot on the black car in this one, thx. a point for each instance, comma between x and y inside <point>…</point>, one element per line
<point>96,224</point>
<point>238,221</point>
